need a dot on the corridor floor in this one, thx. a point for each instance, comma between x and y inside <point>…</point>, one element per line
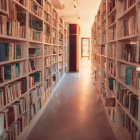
<point>75,111</point>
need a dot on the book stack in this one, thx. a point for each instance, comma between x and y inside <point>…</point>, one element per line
<point>60,65</point>
<point>47,17</point>
<point>34,52</point>
<point>12,91</point>
<point>129,26</point>
<point>111,5</point>
<point>10,51</point>
<point>47,6</point>
<point>35,93</point>
<point>34,79</point>
<point>54,59</point>
<point>126,122</point>
<point>112,34</point>
<point>47,61</point>
<point>12,71</point>
<point>131,52</point>
<point>103,50</point>
<point>47,84</point>
<point>54,68</point>
<point>36,28</point>
<point>129,75</point>
<point>112,84</point>
<point>35,8</point>
<point>128,100</point>
<point>48,50</point>
<point>47,33</point>
<point>112,68</point>
<point>47,73</point>
<point>111,19</point>
<point>112,50</point>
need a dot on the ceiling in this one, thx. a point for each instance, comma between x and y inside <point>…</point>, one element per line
<point>86,10</point>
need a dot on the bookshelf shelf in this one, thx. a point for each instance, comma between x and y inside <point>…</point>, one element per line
<point>112,25</point>
<point>20,5</point>
<point>12,38</point>
<point>116,75</point>
<point>3,12</point>
<point>11,81</point>
<point>31,47</point>
<point>127,112</point>
<point>131,37</point>
<point>113,10</point>
<point>127,11</point>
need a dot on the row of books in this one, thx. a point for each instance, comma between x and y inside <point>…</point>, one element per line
<point>47,73</point>
<point>61,42</point>
<point>60,65</point>
<point>34,108</point>
<point>34,52</point>
<point>16,128</point>
<point>103,37</point>
<point>12,91</point>
<point>54,23</point>
<point>129,26</point>
<point>34,79</point>
<point>35,93</point>
<point>129,75</point>
<point>47,6</point>
<point>112,84</point>
<point>112,34</point>
<point>47,61</point>
<point>54,59</point>
<point>54,14</point>
<point>128,100</point>
<point>35,35</point>
<point>103,49</point>
<point>16,28</point>
<point>35,8</point>
<point>125,121</point>
<point>131,52</point>
<point>47,38</point>
<point>12,71</point>
<point>35,24</point>
<point>111,5</point>
<point>48,50</point>
<point>112,50</point>
<point>127,4</point>
<point>11,114</point>
<point>10,51</point>
<point>54,68</point>
<point>47,83</point>
<point>111,19</point>
<point>112,68</point>
<point>47,17</point>
<point>54,49</point>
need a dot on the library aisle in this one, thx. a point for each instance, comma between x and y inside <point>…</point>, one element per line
<point>75,111</point>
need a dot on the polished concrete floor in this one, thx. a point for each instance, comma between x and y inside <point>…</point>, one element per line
<point>75,112</point>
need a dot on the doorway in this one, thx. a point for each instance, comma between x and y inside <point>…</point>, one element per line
<point>85,47</point>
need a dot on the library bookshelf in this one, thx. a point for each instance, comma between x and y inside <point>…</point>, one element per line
<point>116,64</point>
<point>33,60</point>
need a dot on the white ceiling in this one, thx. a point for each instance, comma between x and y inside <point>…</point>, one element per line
<point>86,10</point>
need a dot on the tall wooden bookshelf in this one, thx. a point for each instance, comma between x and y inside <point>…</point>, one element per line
<point>116,64</point>
<point>33,60</point>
